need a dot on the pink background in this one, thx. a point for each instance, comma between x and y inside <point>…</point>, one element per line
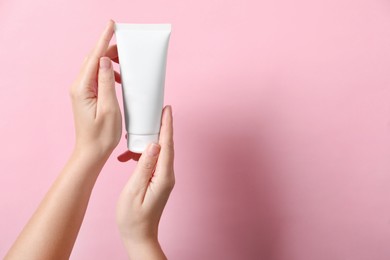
<point>282,124</point>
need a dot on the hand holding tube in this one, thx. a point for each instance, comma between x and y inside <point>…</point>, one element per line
<point>145,195</point>
<point>96,110</point>
<point>52,230</point>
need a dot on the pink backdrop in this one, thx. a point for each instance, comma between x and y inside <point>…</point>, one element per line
<point>282,124</point>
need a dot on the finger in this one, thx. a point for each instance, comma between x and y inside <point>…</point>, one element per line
<point>128,155</point>
<point>104,40</point>
<point>112,53</point>
<point>165,162</point>
<point>92,61</point>
<point>107,100</point>
<point>139,181</point>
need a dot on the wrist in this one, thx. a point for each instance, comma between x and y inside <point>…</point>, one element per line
<point>131,242</point>
<point>144,249</point>
<point>91,152</point>
<point>89,162</point>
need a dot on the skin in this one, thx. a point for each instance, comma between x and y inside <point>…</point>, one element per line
<point>52,230</point>
<point>145,195</point>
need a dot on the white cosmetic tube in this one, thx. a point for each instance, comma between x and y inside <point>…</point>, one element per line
<point>142,50</point>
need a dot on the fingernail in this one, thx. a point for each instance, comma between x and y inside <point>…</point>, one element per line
<point>170,111</point>
<point>105,63</point>
<point>153,149</point>
<point>109,23</point>
<point>167,111</point>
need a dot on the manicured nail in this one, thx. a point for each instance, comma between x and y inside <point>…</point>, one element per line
<point>105,63</point>
<point>153,149</point>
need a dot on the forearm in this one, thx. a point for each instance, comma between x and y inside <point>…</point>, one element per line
<point>52,230</point>
<point>145,250</point>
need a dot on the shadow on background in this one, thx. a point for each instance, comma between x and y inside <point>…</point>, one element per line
<point>240,197</point>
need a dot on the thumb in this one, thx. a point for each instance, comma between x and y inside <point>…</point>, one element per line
<point>143,172</point>
<point>106,86</point>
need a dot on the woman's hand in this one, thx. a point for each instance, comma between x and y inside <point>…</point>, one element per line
<point>96,110</point>
<point>52,230</point>
<point>145,195</point>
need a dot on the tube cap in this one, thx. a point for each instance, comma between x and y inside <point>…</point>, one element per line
<point>138,143</point>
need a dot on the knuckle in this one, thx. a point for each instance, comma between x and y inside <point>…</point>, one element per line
<point>169,182</point>
<point>108,110</point>
<point>148,165</point>
<point>106,79</point>
<point>74,93</point>
<point>169,144</point>
<point>172,184</point>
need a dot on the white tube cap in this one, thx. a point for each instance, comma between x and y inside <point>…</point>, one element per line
<point>138,143</point>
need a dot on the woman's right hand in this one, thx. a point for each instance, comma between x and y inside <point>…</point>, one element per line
<point>145,195</point>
